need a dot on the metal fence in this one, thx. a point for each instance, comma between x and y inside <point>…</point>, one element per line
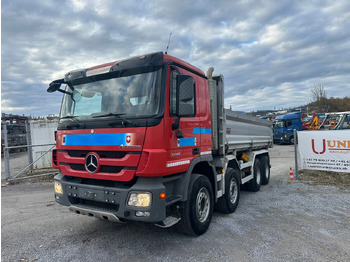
<point>25,161</point>
<point>34,160</point>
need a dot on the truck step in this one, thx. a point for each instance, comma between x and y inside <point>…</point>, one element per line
<point>247,164</point>
<point>168,222</point>
<point>219,194</point>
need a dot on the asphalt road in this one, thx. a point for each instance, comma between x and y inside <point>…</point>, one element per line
<point>284,221</point>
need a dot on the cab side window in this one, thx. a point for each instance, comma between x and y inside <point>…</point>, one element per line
<point>173,75</point>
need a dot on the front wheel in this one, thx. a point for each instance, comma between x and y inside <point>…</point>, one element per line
<point>291,140</point>
<point>196,213</point>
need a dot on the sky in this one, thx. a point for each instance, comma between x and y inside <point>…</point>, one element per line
<point>271,53</point>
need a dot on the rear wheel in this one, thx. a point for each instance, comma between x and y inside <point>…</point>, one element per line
<point>255,184</point>
<point>265,170</point>
<point>196,213</point>
<point>229,201</point>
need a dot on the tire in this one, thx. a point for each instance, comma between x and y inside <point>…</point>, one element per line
<point>265,170</point>
<point>255,184</point>
<point>291,140</point>
<point>196,213</point>
<point>229,201</point>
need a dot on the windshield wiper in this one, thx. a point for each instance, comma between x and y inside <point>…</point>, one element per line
<point>108,114</point>
<point>124,122</point>
<point>74,118</point>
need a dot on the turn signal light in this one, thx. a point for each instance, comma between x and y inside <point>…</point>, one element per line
<point>162,195</point>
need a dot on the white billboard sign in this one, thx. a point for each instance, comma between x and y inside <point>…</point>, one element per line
<point>324,150</point>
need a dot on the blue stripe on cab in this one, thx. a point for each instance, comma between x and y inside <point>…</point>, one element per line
<point>186,142</point>
<point>198,131</point>
<point>95,140</point>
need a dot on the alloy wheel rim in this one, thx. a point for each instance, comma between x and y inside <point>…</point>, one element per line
<point>233,191</point>
<point>202,205</point>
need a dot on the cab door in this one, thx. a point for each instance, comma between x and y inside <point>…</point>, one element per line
<point>184,140</point>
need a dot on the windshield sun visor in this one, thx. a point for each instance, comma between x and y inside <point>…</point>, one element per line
<point>150,60</point>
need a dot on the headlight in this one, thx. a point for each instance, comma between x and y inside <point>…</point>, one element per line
<point>58,188</point>
<point>139,199</point>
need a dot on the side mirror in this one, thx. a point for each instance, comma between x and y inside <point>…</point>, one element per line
<point>185,90</point>
<point>55,85</point>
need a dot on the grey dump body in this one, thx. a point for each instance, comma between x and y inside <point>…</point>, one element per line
<point>234,131</point>
<point>247,132</point>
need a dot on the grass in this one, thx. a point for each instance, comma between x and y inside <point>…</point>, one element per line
<point>317,177</point>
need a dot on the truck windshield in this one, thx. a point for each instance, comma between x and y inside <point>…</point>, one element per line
<point>279,124</point>
<point>131,96</point>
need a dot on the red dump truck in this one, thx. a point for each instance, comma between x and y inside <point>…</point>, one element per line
<point>148,139</point>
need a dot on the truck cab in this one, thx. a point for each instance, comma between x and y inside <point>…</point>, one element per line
<point>284,126</point>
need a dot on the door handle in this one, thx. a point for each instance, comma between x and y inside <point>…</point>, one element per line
<point>195,151</point>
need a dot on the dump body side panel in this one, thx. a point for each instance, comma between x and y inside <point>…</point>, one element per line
<point>245,132</point>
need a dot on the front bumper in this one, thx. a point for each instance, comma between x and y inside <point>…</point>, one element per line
<point>110,202</point>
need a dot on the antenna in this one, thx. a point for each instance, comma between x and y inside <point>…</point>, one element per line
<point>166,51</point>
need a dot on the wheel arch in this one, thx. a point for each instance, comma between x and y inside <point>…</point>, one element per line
<point>266,154</point>
<point>199,165</point>
<point>234,165</point>
<point>205,169</point>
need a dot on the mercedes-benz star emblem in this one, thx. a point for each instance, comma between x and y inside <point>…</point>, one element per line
<point>91,163</point>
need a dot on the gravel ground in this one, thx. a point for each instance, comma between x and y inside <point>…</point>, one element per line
<point>284,221</point>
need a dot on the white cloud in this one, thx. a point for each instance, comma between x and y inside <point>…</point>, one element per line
<point>269,52</point>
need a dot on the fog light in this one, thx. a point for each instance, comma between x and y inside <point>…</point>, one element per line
<point>58,188</point>
<point>139,199</point>
<point>142,214</point>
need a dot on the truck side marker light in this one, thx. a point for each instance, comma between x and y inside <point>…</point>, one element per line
<point>179,163</point>
<point>162,195</point>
